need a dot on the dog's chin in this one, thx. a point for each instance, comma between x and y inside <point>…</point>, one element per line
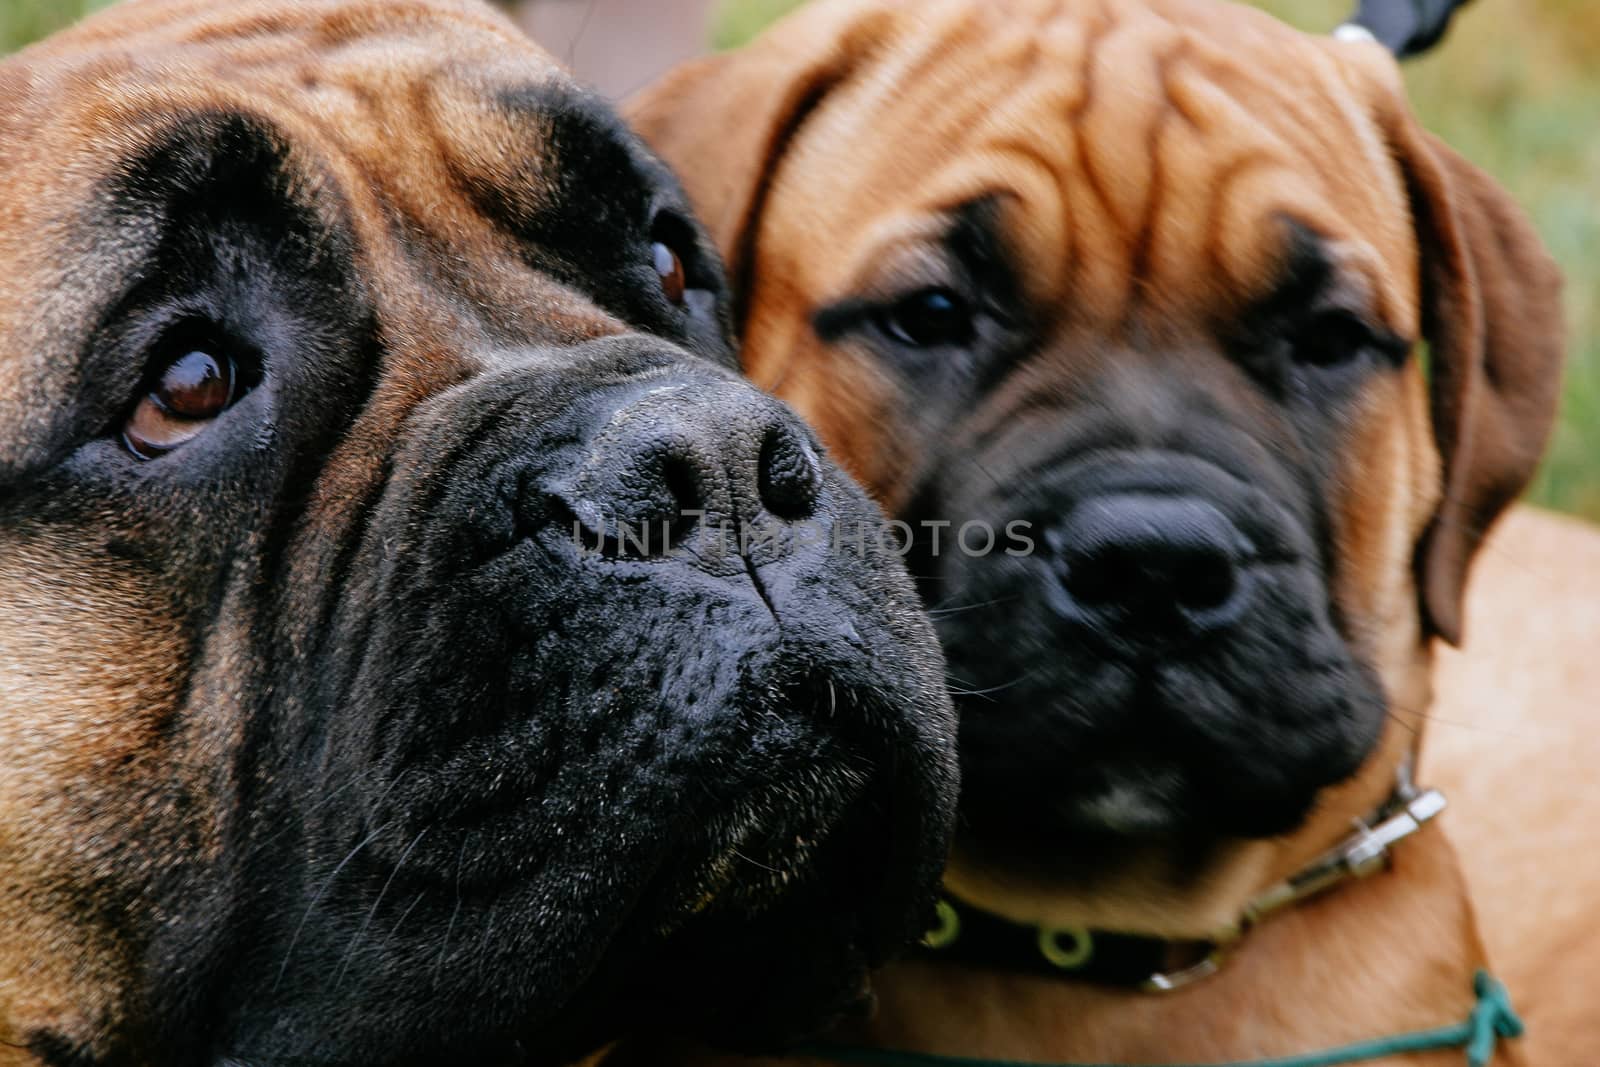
<point>1160,800</point>
<point>1130,808</point>
<point>1100,750</point>
<point>1085,796</point>
<point>1151,804</point>
<point>769,917</point>
<point>771,933</point>
<point>762,846</point>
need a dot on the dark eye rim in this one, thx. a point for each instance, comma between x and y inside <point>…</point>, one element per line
<point>1338,338</point>
<point>963,329</point>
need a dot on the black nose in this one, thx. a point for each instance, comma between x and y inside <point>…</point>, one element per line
<point>1151,566</point>
<point>672,453</point>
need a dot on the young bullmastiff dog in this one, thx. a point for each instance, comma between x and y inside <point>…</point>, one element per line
<point>1152,277</point>
<point>337,340</point>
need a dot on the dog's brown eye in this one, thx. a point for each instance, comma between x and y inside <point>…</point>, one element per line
<point>192,391</point>
<point>670,268</point>
<point>930,318</point>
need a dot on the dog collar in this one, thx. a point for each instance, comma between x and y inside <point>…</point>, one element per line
<point>969,935</point>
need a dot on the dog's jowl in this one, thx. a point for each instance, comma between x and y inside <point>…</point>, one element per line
<point>1151,279</point>
<point>336,342</point>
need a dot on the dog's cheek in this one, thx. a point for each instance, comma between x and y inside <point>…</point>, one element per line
<point>1384,492</point>
<point>90,667</point>
<point>89,684</point>
<point>65,987</point>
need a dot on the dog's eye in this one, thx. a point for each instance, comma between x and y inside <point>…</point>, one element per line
<point>1332,339</point>
<point>674,281</point>
<point>192,390</point>
<point>929,318</point>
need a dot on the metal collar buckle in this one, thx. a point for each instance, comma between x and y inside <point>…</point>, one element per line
<point>1172,981</point>
<point>1365,852</point>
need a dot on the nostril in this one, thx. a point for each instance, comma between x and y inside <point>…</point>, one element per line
<point>790,473</point>
<point>1205,584</point>
<point>1098,578</point>
<point>666,461</point>
<point>682,484</point>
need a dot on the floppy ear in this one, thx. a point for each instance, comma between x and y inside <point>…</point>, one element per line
<point>725,122</point>
<point>1491,301</point>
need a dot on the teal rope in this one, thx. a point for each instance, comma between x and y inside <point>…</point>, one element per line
<point>1492,1018</point>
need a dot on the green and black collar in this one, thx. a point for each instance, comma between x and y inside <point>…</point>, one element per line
<point>971,936</point>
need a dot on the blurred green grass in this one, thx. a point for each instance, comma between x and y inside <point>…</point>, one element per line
<point>1516,88</point>
<point>24,21</point>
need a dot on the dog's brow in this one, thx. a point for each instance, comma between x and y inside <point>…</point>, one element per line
<point>1316,270</point>
<point>966,238</point>
<point>576,117</point>
<point>1305,268</point>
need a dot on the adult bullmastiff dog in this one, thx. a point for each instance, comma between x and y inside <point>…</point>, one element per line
<point>1153,278</point>
<point>338,341</point>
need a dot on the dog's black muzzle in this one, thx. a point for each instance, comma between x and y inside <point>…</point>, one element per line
<point>596,717</point>
<point>1162,659</point>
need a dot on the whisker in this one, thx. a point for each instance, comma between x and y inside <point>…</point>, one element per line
<point>320,804</point>
<point>958,691</point>
<point>444,947</point>
<point>488,940</point>
<point>395,929</point>
<point>1422,716</point>
<point>960,609</point>
<point>583,28</point>
<point>755,862</point>
<point>316,899</point>
<point>355,940</point>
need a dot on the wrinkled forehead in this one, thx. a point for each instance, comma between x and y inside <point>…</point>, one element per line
<point>337,79</point>
<point>1133,148</point>
<point>374,125</point>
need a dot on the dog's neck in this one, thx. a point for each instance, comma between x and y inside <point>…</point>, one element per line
<point>973,936</point>
<point>1386,955</point>
<point>1190,892</point>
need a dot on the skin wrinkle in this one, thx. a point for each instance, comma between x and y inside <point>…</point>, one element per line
<point>1313,127</point>
<point>1050,227</point>
<point>1145,236</point>
<point>1220,191</point>
<point>1232,174</point>
<point>743,262</point>
<point>921,65</point>
<point>1081,152</point>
